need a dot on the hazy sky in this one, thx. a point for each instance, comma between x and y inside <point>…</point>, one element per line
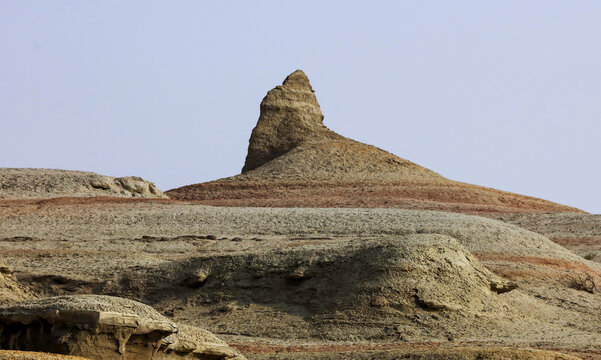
<point>505,94</point>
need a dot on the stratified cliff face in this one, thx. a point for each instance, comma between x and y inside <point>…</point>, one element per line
<point>290,115</point>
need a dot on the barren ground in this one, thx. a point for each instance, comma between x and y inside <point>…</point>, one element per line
<point>146,249</point>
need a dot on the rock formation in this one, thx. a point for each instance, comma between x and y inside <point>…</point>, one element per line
<point>49,183</point>
<point>104,327</point>
<point>293,160</point>
<point>292,283</point>
<point>290,116</point>
<point>10,289</point>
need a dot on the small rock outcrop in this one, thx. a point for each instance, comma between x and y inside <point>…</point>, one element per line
<point>10,289</point>
<point>18,183</point>
<point>105,327</point>
<point>290,115</point>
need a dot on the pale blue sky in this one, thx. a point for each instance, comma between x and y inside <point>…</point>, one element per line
<point>505,94</point>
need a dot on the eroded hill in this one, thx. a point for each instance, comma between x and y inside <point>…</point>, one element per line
<point>294,160</point>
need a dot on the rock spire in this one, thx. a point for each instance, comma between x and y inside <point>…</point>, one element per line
<point>290,115</point>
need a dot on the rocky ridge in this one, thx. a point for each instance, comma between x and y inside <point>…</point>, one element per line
<point>306,274</point>
<point>293,283</point>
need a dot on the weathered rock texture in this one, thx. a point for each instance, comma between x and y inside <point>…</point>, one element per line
<point>358,281</point>
<point>293,160</point>
<point>104,327</point>
<point>290,116</point>
<point>10,289</point>
<point>48,183</point>
<point>34,225</point>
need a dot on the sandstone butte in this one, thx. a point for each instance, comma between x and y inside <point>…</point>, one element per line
<point>294,160</point>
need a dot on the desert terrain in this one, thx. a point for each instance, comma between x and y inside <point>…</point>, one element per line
<point>322,248</point>
<point>294,160</point>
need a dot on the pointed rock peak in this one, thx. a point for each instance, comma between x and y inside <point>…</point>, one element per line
<point>298,80</point>
<point>290,115</point>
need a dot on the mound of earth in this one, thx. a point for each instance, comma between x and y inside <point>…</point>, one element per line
<point>48,183</point>
<point>293,160</point>
<point>10,289</point>
<point>390,281</point>
<point>32,355</point>
<point>103,327</point>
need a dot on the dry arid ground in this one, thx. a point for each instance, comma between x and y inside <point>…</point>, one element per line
<point>293,160</point>
<point>314,280</point>
<point>334,250</point>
